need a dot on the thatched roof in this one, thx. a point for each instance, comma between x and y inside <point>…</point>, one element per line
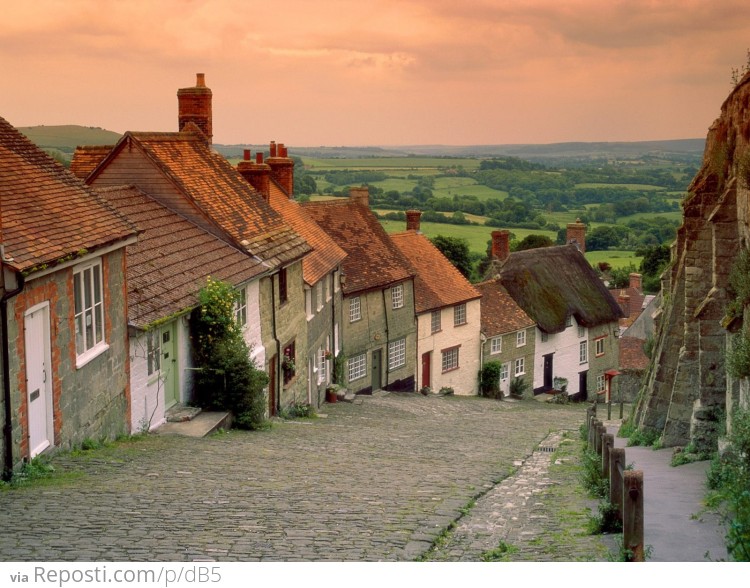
<point>552,283</point>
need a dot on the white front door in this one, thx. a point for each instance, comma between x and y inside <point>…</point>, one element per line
<point>38,378</point>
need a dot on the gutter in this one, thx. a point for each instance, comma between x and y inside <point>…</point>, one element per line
<point>385,359</point>
<point>8,427</point>
<point>277,369</point>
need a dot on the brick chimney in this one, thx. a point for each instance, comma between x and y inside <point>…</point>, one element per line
<point>501,245</point>
<point>636,281</point>
<point>577,235</point>
<point>194,105</point>
<point>624,301</point>
<point>257,173</point>
<point>412,219</point>
<point>360,196</point>
<point>282,167</point>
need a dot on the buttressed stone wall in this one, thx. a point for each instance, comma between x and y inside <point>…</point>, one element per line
<point>685,390</point>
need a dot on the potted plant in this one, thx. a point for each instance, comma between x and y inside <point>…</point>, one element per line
<point>560,384</point>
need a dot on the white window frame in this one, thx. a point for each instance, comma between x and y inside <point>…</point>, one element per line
<point>435,321</point>
<point>153,352</point>
<point>240,307</point>
<point>581,332</point>
<point>357,367</point>
<point>519,367</point>
<point>459,315</point>
<point>521,338</point>
<point>323,363</point>
<point>355,309</point>
<point>87,350</point>
<point>569,321</point>
<point>396,354</point>
<point>496,345</point>
<point>545,336</point>
<point>583,352</point>
<point>449,359</point>
<point>319,296</point>
<point>600,383</point>
<point>397,297</point>
<point>308,303</point>
<point>599,349</point>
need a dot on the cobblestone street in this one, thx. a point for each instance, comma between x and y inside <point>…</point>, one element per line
<point>381,479</point>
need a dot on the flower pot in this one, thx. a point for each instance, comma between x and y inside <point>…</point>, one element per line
<point>331,396</point>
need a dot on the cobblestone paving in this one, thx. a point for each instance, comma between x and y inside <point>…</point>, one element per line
<point>378,479</point>
<point>538,514</point>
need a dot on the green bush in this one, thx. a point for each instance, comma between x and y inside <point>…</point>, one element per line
<point>489,380</point>
<point>227,378</point>
<point>738,356</point>
<point>518,387</point>
<point>591,477</point>
<point>729,477</point>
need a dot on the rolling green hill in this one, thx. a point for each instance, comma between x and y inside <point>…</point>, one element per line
<point>66,138</point>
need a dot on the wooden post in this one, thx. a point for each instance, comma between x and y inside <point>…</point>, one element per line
<point>600,430</point>
<point>632,520</point>
<point>608,442</point>
<point>592,434</point>
<point>616,465</point>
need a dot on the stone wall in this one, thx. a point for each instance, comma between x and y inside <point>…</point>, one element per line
<point>686,388</point>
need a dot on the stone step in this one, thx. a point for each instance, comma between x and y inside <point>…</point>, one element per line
<point>201,425</point>
<point>180,413</point>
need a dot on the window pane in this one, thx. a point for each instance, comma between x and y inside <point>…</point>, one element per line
<point>79,335</point>
<point>87,289</point>
<point>98,323</point>
<point>89,330</point>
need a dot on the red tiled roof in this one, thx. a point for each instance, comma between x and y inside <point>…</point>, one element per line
<point>500,313</point>
<point>372,259</point>
<point>47,213</point>
<point>326,255</point>
<point>209,181</point>
<point>632,356</point>
<point>634,304</point>
<point>87,157</point>
<point>172,259</point>
<point>437,282</point>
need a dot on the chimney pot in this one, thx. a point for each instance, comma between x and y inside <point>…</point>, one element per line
<point>501,245</point>
<point>272,149</point>
<point>635,281</point>
<point>200,81</point>
<point>413,220</point>
<point>259,157</point>
<point>246,154</point>
<point>194,106</point>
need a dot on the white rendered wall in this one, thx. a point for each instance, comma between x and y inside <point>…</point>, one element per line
<point>464,379</point>
<point>565,362</point>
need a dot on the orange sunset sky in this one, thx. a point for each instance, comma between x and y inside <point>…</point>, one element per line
<point>378,72</point>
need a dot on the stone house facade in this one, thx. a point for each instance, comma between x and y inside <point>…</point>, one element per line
<point>182,173</point>
<point>378,318</point>
<point>576,316</point>
<point>508,335</point>
<point>65,367</point>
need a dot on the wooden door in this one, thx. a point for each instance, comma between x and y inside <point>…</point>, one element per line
<point>548,371</point>
<point>169,366</point>
<point>376,370</point>
<point>426,361</point>
<point>38,378</point>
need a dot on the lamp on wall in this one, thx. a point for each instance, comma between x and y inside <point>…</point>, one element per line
<point>342,280</point>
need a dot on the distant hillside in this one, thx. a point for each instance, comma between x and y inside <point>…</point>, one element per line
<point>65,138</point>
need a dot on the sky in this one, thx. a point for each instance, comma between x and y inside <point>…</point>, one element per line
<point>378,72</point>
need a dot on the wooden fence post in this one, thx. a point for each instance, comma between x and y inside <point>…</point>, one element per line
<point>616,465</point>
<point>632,520</point>
<point>608,442</point>
<point>601,429</point>
<point>592,434</point>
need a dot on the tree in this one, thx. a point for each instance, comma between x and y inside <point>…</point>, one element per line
<point>534,242</point>
<point>456,250</point>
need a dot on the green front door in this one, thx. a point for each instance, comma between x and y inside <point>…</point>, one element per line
<point>169,376</point>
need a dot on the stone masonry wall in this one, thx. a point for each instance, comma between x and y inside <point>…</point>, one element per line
<point>686,388</point>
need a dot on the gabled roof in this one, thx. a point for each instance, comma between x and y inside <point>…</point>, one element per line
<point>372,259</point>
<point>633,304</point>
<point>47,213</point>
<point>552,283</point>
<point>215,187</point>
<point>326,255</point>
<point>437,282</point>
<point>172,259</point>
<point>86,158</point>
<point>632,356</point>
<point>500,313</point>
